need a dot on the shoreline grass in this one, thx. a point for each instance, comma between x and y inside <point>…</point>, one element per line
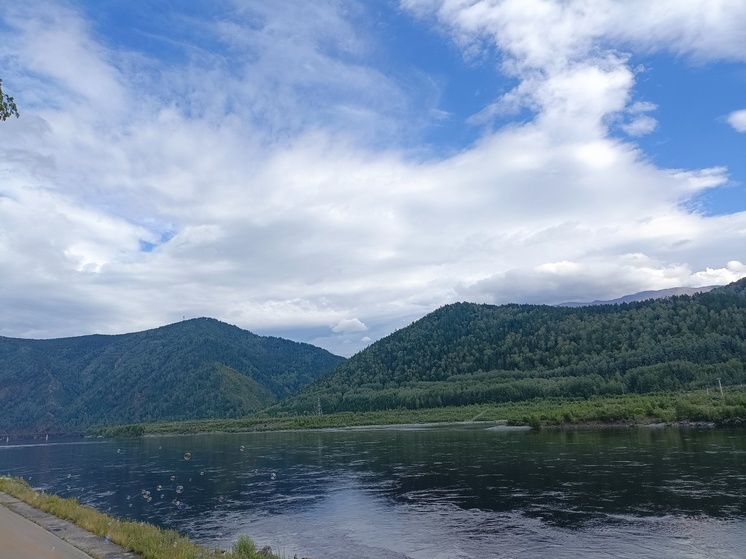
<point>631,409</point>
<point>146,540</point>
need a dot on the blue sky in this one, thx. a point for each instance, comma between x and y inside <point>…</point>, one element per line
<point>331,171</point>
<point>694,101</point>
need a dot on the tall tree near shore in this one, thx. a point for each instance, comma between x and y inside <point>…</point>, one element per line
<point>8,106</point>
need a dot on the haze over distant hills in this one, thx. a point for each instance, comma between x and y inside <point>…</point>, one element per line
<point>199,368</point>
<point>644,296</point>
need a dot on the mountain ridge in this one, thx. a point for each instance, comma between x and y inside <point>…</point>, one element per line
<point>467,353</point>
<point>643,296</point>
<point>192,369</point>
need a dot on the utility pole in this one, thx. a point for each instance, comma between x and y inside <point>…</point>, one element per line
<point>720,384</point>
<point>318,406</point>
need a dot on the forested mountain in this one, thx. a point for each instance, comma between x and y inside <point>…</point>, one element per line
<point>197,368</point>
<point>467,353</point>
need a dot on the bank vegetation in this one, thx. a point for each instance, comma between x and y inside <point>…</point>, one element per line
<point>701,406</point>
<point>146,540</point>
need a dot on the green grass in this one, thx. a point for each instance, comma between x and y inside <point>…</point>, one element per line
<point>665,407</point>
<point>146,540</point>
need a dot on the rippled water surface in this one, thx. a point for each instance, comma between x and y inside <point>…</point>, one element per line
<point>424,493</point>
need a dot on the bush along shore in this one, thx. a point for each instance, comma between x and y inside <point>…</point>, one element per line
<point>722,409</point>
<point>146,540</point>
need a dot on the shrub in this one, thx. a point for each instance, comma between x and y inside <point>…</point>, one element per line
<point>244,548</point>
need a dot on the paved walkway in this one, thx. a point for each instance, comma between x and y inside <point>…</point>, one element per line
<point>28,533</point>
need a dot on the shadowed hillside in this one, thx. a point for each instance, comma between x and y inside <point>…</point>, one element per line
<point>199,368</point>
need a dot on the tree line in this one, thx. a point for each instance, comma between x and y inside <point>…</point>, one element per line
<point>467,353</point>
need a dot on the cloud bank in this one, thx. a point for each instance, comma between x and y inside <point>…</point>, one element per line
<point>267,172</point>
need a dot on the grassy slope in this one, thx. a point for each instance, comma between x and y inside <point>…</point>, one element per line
<point>146,540</point>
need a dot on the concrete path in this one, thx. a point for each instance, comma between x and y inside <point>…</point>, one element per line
<point>28,533</point>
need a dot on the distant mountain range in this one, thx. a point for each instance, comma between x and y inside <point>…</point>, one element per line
<point>462,353</point>
<point>199,368</point>
<point>467,353</point>
<point>645,295</point>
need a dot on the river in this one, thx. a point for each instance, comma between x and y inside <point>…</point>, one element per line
<point>466,491</point>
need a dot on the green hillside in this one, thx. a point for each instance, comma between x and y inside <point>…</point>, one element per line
<point>467,354</point>
<point>188,370</point>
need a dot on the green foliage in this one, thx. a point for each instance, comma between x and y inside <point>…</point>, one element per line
<point>627,409</point>
<point>188,370</point>
<point>123,431</point>
<point>244,548</point>
<point>460,355</point>
<point>8,107</point>
<point>465,354</point>
<point>144,539</point>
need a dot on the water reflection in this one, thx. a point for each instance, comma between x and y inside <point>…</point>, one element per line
<point>446,492</point>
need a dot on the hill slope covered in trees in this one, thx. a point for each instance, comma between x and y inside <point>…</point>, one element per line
<point>199,368</point>
<point>468,353</point>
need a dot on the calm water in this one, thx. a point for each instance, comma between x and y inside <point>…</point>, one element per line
<point>424,493</point>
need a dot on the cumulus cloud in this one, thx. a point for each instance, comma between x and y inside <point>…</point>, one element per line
<point>347,325</point>
<point>737,119</point>
<point>269,186</point>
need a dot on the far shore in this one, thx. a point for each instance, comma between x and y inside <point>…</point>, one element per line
<point>700,409</point>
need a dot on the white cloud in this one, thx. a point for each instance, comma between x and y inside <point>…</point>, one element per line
<point>258,180</point>
<point>347,325</point>
<point>548,34</point>
<point>737,119</point>
<point>554,283</point>
<point>567,54</point>
<point>641,107</point>
<point>640,126</point>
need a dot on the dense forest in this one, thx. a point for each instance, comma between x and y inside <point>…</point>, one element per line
<point>470,354</point>
<point>188,370</point>
<point>461,354</point>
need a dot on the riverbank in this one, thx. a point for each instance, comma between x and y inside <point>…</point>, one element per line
<point>694,407</point>
<point>23,538</point>
<point>132,540</point>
